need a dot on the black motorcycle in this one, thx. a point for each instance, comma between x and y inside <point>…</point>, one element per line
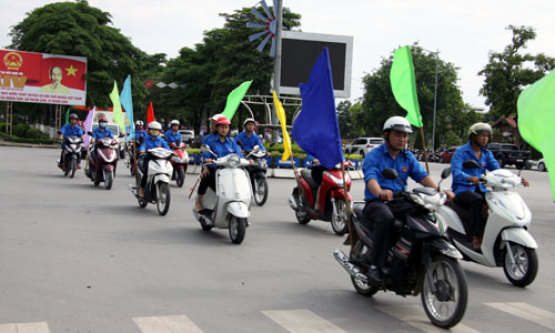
<point>420,260</point>
<point>71,155</point>
<point>257,173</point>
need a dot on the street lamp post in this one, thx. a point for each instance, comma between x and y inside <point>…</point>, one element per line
<point>277,62</point>
<point>436,53</point>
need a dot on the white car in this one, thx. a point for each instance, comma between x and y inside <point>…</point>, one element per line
<point>187,135</point>
<point>541,165</point>
<point>363,146</point>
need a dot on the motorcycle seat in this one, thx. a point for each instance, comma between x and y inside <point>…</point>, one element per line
<point>307,175</point>
<point>397,223</point>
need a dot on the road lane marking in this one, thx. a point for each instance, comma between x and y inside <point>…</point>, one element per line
<point>526,311</point>
<point>41,327</point>
<point>415,316</point>
<point>166,324</point>
<point>302,321</point>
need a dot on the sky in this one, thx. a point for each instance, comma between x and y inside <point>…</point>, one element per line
<point>464,32</point>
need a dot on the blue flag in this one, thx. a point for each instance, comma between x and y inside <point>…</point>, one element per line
<point>127,103</point>
<point>316,128</point>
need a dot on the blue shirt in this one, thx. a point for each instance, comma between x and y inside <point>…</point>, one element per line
<point>140,134</point>
<point>98,134</point>
<point>173,137</point>
<point>68,131</point>
<point>156,142</point>
<point>379,159</point>
<point>249,142</point>
<point>461,175</point>
<point>208,138</point>
<point>222,149</point>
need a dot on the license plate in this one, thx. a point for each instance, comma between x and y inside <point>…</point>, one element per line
<point>519,160</point>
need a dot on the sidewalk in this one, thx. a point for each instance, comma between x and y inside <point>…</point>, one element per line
<point>27,145</point>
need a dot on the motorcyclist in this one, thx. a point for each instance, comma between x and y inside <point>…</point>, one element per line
<point>317,175</point>
<point>173,135</point>
<point>212,135</point>
<point>101,132</point>
<point>222,145</point>
<point>71,129</point>
<point>139,131</point>
<point>248,138</point>
<point>151,141</point>
<point>470,193</point>
<point>379,191</point>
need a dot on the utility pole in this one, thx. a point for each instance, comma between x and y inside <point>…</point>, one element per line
<point>435,106</point>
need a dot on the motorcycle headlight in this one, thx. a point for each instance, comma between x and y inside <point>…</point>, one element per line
<point>234,161</point>
<point>338,181</point>
<point>176,159</point>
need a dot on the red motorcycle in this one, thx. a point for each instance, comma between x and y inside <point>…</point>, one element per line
<point>103,162</point>
<point>180,162</point>
<point>332,199</point>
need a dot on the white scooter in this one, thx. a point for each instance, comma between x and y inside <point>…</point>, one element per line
<point>229,207</point>
<point>506,241</point>
<point>157,189</point>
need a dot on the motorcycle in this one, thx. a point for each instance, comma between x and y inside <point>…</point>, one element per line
<point>228,207</point>
<point>102,167</point>
<point>71,155</point>
<point>332,199</point>
<point>257,173</point>
<point>157,189</point>
<point>180,162</point>
<point>421,260</point>
<point>506,240</point>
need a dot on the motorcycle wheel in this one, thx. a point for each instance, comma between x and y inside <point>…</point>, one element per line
<point>302,215</point>
<point>180,177</point>
<point>108,179</point>
<point>73,168</point>
<point>163,198</point>
<point>524,270</point>
<point>237,229</point>
<point>445,306</point>
<point>360,251</point>
<point>339,217</point>
<point>260,191</point>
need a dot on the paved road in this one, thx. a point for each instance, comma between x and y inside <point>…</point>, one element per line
<point>75,258</point>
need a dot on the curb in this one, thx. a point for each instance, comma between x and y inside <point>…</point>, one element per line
<point>27,145</point>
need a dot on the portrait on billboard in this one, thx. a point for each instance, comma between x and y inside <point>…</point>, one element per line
<point>56,86</point>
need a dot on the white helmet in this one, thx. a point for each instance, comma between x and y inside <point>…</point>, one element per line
<point>155,126</point>
<point>139,123</point>
<point>249,120</point>
<point>397,123</point>
<point>215,117</point>
<point>480,128</point>
<point>174,122</point>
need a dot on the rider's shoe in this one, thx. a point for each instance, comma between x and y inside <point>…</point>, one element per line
<point>376,274</point>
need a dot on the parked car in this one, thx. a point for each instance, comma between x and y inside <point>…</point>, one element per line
<point>363,145</point>
<point>446,156</point>
<point>508,154</point>
<point>541,165</point>
<point>187,135</point>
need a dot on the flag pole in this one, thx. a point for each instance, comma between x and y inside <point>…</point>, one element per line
<point>136,163</point>
<point>425,150</point>
<point>347,205</point>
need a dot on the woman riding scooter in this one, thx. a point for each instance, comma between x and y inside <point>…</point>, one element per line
<point>151,141</point>
<point>221,146</point>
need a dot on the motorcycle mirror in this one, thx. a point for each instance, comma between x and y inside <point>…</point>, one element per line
<point>470,164</point>
<point>390,174</point>
<point>239,143</point>
<point>121,135</point>
<point>59,132</point>
<point>256,148</point>
<point>446,173</point>
<point>89,133</point>
<point>205,148</point>
<point>520,166</point>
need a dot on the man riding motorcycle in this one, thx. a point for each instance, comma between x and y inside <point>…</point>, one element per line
<point>71,129</point>
<point>248,138</point>
<point>101,132</point>
<point>466,182</point>
<point>139,131</point>
<point>222,145</point>
<point>173,135</point>
<point>379,191</point>
<point>151,141</point>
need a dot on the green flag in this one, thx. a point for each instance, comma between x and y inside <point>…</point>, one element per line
<point>118,114</point>
<point>234,99</point>
<point>536,117</point>
<point>403,85</point>
<point>67,115</point>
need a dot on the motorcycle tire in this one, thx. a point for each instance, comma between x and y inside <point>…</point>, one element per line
<point>339,218</point>
<point>163,198</point>
<point>525,269</point>
<point>108,180</point>
<point>260,191</point>
<point>237,229</point>
<point>73,168</point>
<point>451,292</point>
<point>180,177</point>
<point>360,250</point>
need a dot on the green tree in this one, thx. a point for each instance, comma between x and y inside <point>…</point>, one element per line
<point>509,71</point>
<point>76,28</point>
<point>379,103</point>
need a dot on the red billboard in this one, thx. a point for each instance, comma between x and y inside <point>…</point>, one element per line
<point>42,78</point>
